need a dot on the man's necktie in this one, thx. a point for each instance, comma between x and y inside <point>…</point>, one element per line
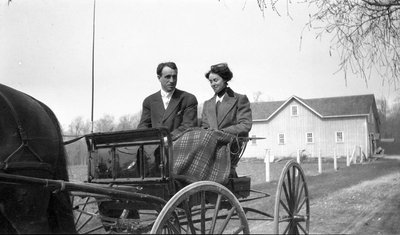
<point>166,104</point>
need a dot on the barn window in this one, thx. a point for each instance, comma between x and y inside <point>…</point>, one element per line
<point>309,137</point>
<point>294,110</point>
<point>339,137</point>
<point>281,138</point>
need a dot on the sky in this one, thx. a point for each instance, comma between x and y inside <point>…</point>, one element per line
<point>46,52</point>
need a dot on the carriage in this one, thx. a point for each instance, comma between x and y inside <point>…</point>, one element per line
<point>162,202</point>
<point>131,188</point>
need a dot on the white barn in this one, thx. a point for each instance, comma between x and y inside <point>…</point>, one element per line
<point>325,126</point>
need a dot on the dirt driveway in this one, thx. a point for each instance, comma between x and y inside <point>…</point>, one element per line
<point>371,207</point>
<point>361,199</point>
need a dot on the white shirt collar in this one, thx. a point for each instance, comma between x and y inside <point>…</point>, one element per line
<point>167,94</point>
<point>219,98</point>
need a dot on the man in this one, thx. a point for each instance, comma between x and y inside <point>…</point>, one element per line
<point>169,107</point>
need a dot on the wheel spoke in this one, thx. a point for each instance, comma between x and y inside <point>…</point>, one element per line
<point>285,207</point>
<point>302,229</point>
<point>84,223</point>
<point>299,197</point>
<point>293,189</point>
<point>287,227</point>
<point>292,228</point>
<point>215,215</point>
<point>295,228</point>
<point>289,185</point>
<point>301,205</point>
<point>286,193</point>
<point>189,217</point>
<point>225,223</point>
<point>287,220</point>
<point>172,227</point>
<point>80,214</point>
<point>293,178</point>
<point>92,214</point>
<point>240,229</point>
<point>296,191</point>
<point>203,212</point>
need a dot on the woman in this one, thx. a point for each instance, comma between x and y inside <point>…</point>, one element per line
<point>201,154</point>
<point>227,110</point>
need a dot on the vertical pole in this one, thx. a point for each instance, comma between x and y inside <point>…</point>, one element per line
<point>267,166</point>
<point>94,24</point>
<point>319,162</point>
<point>347,158</point>
<point>361,156</point>
<point>334,160</point>
<point>355,154</point>
<point>298,156</point>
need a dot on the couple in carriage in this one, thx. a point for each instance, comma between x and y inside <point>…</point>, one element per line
<point>206,152</point>
<point>34,146</point>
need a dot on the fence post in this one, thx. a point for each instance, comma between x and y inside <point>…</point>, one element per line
<point>298,156</point>
<point>267,166</point>
<point>319,162</point>
<point>355,154</point>
<point>347,158</point>
<point>334,160</point>
<point>361,156</point>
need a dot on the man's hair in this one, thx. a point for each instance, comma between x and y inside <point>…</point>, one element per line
<point>160,67</point>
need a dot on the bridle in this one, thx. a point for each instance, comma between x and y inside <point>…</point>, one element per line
<point>8,165</point>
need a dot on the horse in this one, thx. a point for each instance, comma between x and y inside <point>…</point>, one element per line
<point>31,145</point>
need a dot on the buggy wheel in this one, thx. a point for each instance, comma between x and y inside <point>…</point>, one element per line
<point>202,207</point>
<point>96,214</point>
<point>292,205</point>
<point>86,214</point>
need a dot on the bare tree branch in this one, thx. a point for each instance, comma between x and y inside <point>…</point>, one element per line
<point>365,34</point>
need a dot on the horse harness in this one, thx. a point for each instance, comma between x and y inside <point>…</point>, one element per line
<point>8,166</point>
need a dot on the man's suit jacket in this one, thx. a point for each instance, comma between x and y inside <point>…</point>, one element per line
<point>234,114</point>
<point>180,114</point>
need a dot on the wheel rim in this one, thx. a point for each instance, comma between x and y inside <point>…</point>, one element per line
<point>202,207</point>
<point>292,207</point>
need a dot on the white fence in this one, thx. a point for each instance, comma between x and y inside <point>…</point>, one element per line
<point>352,157</point>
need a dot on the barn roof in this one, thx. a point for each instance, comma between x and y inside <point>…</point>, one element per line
<point>323,107</point>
